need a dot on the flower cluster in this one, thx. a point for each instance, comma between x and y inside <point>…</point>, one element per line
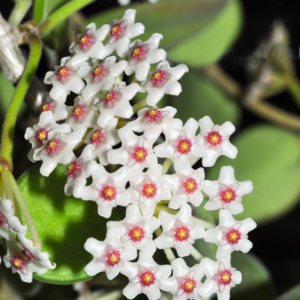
<point>22,255</point>
<point>120,153</point>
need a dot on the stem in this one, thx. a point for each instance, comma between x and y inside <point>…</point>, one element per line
<point>168,251</point>
<point>6,149</point>
<point>141,104</point>
<point>204,223</point>
<point>38,11</point>
<point>196,254</point>
<point>111,296</point>
<point>158,208</point>
<point>134,80</point>
<point>61,14</point>
<point>166,165</point>
<point>19,11</point>
<point>23,207</point>
<point>294,88</point>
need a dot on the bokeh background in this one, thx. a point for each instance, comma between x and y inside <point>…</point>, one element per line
<point>244,67</point>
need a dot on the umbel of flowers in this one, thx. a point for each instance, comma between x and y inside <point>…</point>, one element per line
<point>103,122</point>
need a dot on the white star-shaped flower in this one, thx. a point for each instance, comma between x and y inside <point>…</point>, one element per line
<point>136,153</point>
<point>154,121</point>
<point>103,139</point>
<point>65,79</point>
<point>137,230</point>
<point>226,192</point>
<point>82,116</point>
<point>181,145</point>
<point>216,141</point>
<point>58,108</point>
<point>145,276</point>
<point>109,255</point>
<point>89,44</point>
<point>37,134</point>
<point>122,31</point>
<point>147,189</point>
<point>185,282</point>
<point>116,102</point>
<point>107,189</point>
<point>8,220</point>
<point>163,81</point>
<point>22,262</point>
<point>101,77</point>
<point>230,235</point>
<point>77,172</point>
<point>179,231</point>
<point>58,149</point>
<point>186,186</point>
<point>142,54</point>
<point>220,278</point>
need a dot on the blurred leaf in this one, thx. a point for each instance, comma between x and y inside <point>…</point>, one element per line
<point>182,21</point>
<point>201,97</point>
<point>5,93</point>
<point>256,283</point>
<point>292,294</point>
<point>213,41</point>
<point>63,223</point>
<point>51,5</point>
<point>270,158</point>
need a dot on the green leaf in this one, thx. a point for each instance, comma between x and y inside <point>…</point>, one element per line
<point>5,93</point>
<point>180,21</point>
<point>63,223</point>
<point>293,294</point>
<point>209,44</point>
<point>256,283</point>
<point>270,157</point>
<point>201,97</point>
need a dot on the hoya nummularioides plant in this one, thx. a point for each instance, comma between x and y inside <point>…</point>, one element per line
<point>113,148</point>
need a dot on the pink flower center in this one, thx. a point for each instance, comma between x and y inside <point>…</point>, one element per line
<point>118,31</point>
<point>86,42</point>
<point>98,138</point>
<point>63,74</point>
<point>139,53</point>
<point>233,236</point>
<point>181,233</point>
<point>136,233</point>
<point>214,138</point>
<point>147,278</point>
<point>112,98</point>
<point>139,154</point>
<point>18,262</point>
<point>108,192</point>
<point>183,146</point>
<point>80,112</point>
<point>227,195</point>
<point>188,285</point>
<point>49,106</point>
<point>54,147</point>
<point>41,135</point>
<point>149,190</point>
<point>74,170</point>
<point>27,254</point>
<point>112,258</point>
<point>100,73</point>
<point>153,116</point>
<point>3,219</point>
<point>159,78</point>
<point>224,277</point>
<point>190,185</point>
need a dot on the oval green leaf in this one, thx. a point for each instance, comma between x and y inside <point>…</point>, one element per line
<point>63,223</point>
<point>210,44</point>
<point>270,157</point>
<point>256,283</point>
<point>292,294</point>
<point>177,20</point>
<point>201,97</point>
